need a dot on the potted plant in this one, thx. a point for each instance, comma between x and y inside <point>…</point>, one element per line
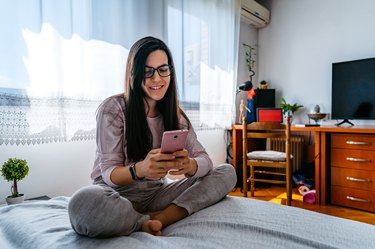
<point>14,170</point>
<point>289,109</point>
<point>250,61</point>
<point>263,84</point>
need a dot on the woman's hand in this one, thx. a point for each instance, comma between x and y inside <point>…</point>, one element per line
<point>183,164</point>
<point>157,164</point>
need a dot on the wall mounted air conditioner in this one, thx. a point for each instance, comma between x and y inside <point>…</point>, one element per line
<point>254,14</point>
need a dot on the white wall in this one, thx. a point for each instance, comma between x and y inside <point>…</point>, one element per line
<point>54,168</point>
<point>215,143</point>
<point>304,38</point>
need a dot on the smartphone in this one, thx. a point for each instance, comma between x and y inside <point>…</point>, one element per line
<point>173,141</point>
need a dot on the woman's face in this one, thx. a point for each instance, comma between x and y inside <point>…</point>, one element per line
<point>156,86</point>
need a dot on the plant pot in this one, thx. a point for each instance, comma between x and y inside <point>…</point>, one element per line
<point>15,200</point>
<point>288,114</point>
<point>263,86</point>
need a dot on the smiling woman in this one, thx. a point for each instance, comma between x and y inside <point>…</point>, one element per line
<point>130,163</point>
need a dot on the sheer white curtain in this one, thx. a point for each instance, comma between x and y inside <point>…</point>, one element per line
<point>61,58</point>
<point>205,36</point>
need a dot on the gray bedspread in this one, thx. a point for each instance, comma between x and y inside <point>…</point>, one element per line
<point>235,222</point>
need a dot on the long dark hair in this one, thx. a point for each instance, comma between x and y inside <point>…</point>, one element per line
<point>138,137</point>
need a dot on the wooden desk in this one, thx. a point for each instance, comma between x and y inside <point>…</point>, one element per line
<point>321,151</point>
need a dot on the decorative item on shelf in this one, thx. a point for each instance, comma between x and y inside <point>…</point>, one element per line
<point>263,85</point>
<point>243,109</point>
<point>247,86</point>
<point>316,115</point>
<point>289,109</point>
<point>316,109</point>
<point>250,62</point>
<point>14,170</point>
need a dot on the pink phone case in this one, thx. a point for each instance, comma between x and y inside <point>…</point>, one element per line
<point>173,141</point>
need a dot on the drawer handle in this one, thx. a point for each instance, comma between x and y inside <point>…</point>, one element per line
<point>354,179</point>
<point>360,160</point>
<point>357,199</point>
<point>358,143</point>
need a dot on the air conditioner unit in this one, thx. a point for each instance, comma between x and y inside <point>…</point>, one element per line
<point>254,14</point>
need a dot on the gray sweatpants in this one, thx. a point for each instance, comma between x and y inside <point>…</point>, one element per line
<point>101,211</point>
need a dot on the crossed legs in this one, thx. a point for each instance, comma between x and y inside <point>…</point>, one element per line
<point>100,211</point>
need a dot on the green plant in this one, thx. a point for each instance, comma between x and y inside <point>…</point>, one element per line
<point>14,170</point>
<point>288,107</point>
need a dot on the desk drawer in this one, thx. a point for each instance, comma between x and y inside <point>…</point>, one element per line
<point>354,198</point>
<point>350,141</point>
<point>351,158</point>
<point>352,178</point>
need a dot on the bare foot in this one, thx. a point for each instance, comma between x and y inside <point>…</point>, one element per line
<point>152,227</point>
<point>153,214</point>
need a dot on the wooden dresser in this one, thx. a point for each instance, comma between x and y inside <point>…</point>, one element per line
<point>352,170</point>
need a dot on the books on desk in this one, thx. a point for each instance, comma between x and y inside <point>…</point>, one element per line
<point>307,125</point>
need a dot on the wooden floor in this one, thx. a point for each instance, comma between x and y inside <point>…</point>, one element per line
<point>277,194</point>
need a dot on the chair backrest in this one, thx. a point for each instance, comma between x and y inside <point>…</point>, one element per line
<point>266,130</point>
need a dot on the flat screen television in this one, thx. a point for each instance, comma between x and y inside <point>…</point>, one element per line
<point>353,90</point>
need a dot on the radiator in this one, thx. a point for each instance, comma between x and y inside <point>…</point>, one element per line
<point>296,149</point>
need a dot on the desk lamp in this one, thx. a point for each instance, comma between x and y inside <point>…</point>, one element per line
<point>245,87</point>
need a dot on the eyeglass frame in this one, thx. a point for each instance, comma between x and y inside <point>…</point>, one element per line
<point>170,68</point>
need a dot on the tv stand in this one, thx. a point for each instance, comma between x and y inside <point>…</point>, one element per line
<point>345,121</point>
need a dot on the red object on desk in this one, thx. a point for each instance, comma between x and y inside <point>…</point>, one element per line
<point>270,115</point>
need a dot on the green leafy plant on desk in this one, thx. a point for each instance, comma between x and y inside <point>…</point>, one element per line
<point>289,108</point>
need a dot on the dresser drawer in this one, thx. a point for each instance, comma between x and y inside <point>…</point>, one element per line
<point>350,141</point>
<point>352,178</point>
<point>351,158</point>
<point>355,198</point>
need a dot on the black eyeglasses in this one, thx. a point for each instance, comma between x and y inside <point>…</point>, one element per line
<point>163,71</point>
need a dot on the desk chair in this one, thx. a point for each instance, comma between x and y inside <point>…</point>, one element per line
<point>266,162</point>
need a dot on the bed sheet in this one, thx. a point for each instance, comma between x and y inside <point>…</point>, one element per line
<point>235,222</point>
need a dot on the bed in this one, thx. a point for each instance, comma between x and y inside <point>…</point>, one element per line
<point>235,222</point>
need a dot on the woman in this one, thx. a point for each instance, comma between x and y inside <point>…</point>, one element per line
<point>130,191</point>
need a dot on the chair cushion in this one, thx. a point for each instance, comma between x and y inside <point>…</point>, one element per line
<point>267,155</point>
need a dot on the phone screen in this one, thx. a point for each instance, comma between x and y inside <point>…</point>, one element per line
<point>173,141</point>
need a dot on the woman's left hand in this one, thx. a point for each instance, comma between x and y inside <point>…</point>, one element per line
<point>184,164</point>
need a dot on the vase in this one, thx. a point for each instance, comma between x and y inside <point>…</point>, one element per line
<point>288,114</point>
<point>15,200</point>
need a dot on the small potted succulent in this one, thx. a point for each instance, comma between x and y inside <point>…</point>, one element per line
<point>14,170</point>
<point>263,84</point>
